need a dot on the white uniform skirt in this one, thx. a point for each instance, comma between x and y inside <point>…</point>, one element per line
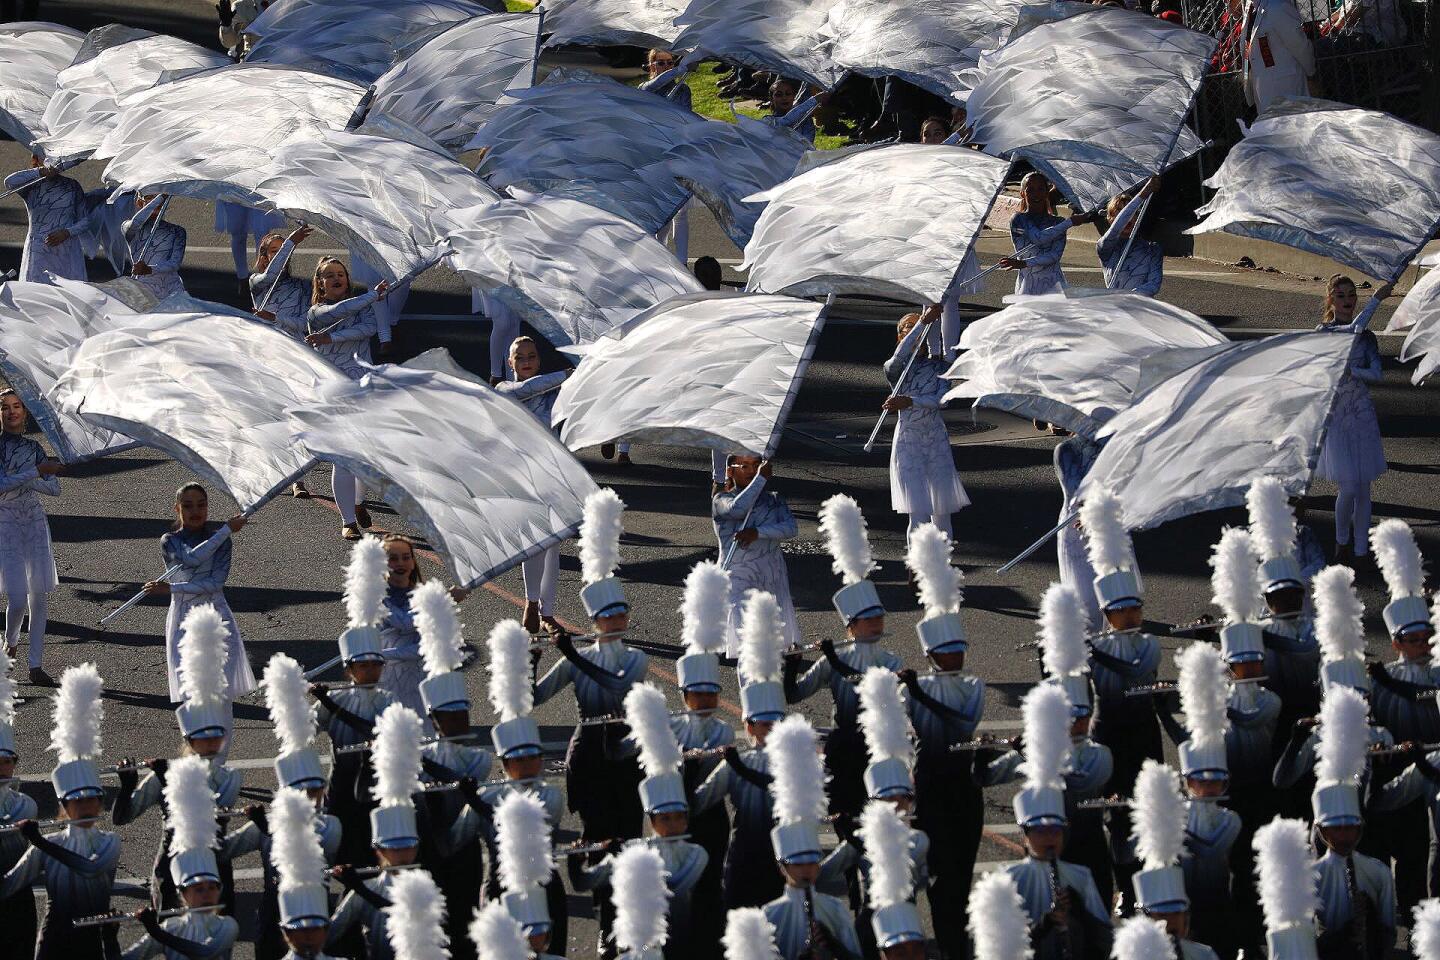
<point>1353,454</point>
<point>923,479</point>
<point>27,561</point>
<point>239,677</point>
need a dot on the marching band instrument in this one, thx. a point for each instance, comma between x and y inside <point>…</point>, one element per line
<point>985,743</point>
<point>366,873</point>
<point>106,919</point>
<point>368,745</point>
<point>1120,803</point>
<point>1066,951</point>
<point>1401,748</point>
<point>1171,686</point>
<point>57,823</point>
<point>604,845</point>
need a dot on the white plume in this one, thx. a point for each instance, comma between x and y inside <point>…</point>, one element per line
<point>1399,558</point>
<point>285,697</point>
<point>497,935</point>
<point>1140,938</point>
<point>1344,736</point>
<point>78,714</point>
<point>396,754</point>
<point>1204,693</point>
<point>843,527</point>
<point>705,611</point>
<point>523,841</point>
<point>1286,870</point>
<point>1339,614</point>
<point>640,897</point>
<point>886,839</point>
<point>1235,578</point>
<point>1063,628</point>
<point>1425,931</point>
<point>600,529</point>
<point>1160,816</point>
<point>998,921</point>
<point>1106,540</point>
<point>204,650</point>
<point>762,633</point>
<point>1272,523</point>
<point>883,719</point>
<point>190,805</point>
<point>7,690</point>
<point>649,720</point>
<point>511,692</point>
<point>941,584</point>
<point>438,620</point>
<point>799,785</point>
<point>1045,712</point>
<point>415,918</point>
<point>295,844</point>
<point>749,935</point>
<point>365,583</point>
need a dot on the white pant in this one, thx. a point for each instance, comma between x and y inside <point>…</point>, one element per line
<point>16,608</point>
<point>505,327</point>
<point>542,577</point>
<point>348,492</point>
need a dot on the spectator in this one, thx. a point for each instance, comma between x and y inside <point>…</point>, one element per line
<point>1279,59</point>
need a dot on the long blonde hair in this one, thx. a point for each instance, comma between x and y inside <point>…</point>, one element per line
<point>315,288</point>
<point>1336,280</point>
<point>1024,195</point>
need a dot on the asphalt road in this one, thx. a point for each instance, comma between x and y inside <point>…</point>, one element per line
<point>288,562</point>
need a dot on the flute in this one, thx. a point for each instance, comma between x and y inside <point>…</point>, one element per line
<point>369,745</point>
<point>366,873</point>
<point>1089,638</point>
<point>1401,748</point>
<point>1117,803</point>
<point>540,641</point>
<point>984,743</point>
<point>60,822</point>
<point>1170,686</point>
<point>128,767</point>
<point>610,718</point>
<point>604,845</point>
<point>815,647</point>
<point>497,782</point>
<point>106,919</point>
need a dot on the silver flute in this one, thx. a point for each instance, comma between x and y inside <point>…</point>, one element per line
<point>58,823</point>
<point>106,919</point>
<point>604,845</point>
<point>1170,686</point>
<point>984,743</point>
<point>369,745</point>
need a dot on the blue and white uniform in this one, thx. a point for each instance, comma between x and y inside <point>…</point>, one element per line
<point>1039,240</point>
<point>291,300</point>
<point>541,572</point>
<point>923,481</point>
<point>400,642</point>
<point>791,917</point>
<point>77,866</point>
<point>761,565</point>
<point>1089,933</point>
<point>1144,268</point>
<point>204,559</point>
<point>55,203</point>
<point>1074,456</point>
<point>27,560</point>
<point>1353,454</point>
<point>210,937</point>
<point>750,877</point>
<point>160,245</point>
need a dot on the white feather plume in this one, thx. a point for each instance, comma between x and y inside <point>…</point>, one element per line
<point>1399,558</point>
<point>1272,522</point>
<point>998,921</point>
<point>1204,694</point>
<point>286,690</point>
<point>204,650</point>
<point>799,785</point>
<point>1286,870</point>
<point>78,715</point>
<point>1235,576</point>
<point>511,692</point>
<point>295,844</point>
<point>1063,628</point>
<point>415,918</point>
<point>1159,816</point>
<point>705,611</point>
<point>497,935</point>
<point>1140,938</point>
<point>523,841</point>
<point>7,689</point>
<point>600,528</point>
<point>365,583</point>
<point>1045,712</point>
<point>843,527</point>
<point>883,719</point>
<point>1339,614</point>
<point>1425,931</point>
<point>886,839</point>
<point>941,585</point>
<point>1344,736</point>
<point>1107,542</point>
<point>762,633</point>
<point>190,804</point>
<point>396,755</point>
<point>438,620</point>
<point>648,717</point>
<point>640,897</point>
<point>749,935</point>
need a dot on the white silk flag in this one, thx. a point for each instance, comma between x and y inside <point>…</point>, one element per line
<point>793,38</point>
<point>1355,186</point>
<point>88,93</point>
<point>598,23</point>
<point>1196,440</point>
<point>1096,100</point>
<point>210,390</point>
<point>41,324</point>
<point>893,221</point>
<point>447,86</point>
<point>1072,361</point>
<point>32,54</point>
<point>707,370</point>
<point>476,473</point>
<point>1419,313</point>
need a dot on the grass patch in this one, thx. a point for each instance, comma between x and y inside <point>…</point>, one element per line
<point>707,101</point>
<point>519,6</point>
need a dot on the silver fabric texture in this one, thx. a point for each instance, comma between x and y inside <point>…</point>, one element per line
<point>32,54</point>
<point>636,23</point>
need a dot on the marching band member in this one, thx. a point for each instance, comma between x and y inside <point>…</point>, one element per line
<point>997,919</point>
<point>205,717</point>
<point>59,217</point>
<point>286,298</point>
<point>1135,265</point>
<point>1066,917</point>
<point>526,870</point>
<point>1286,874</point>
<point>77,865</point>
<point>602,773</point>
<point>190,818</point>
<point>843,526</point>
<point>756,521</point>
<point>17,912</point>
<point>300,863</point>
<point>891,884</point>
<point>1279,58</point>
<point>157,247</point>
<point>1357,893</point>
<point>642,928</point>
<point>400,640</point>
<point>242,223</point>
<point>805,920</point>
<point>749,879</point>
<point>1158,829</point>
<point>27,559</point>
<point>1039,238</point>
